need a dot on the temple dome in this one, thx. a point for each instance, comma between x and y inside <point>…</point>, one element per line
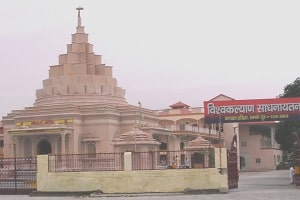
<point>135,136</point>
<point>198,143</point>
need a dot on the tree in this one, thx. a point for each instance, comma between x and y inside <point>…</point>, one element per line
<point>292,89</point>
<point>285,129</point>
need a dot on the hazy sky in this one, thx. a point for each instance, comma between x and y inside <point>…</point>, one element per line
<point>162,51</point>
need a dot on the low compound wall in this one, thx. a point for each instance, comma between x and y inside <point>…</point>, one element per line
<point>128,181</point>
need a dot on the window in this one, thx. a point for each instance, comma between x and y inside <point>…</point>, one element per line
<point>163,146</point>
<point>91,148</point>
<point>182,127</point>
<point>181,145</point>
<point>258,160</point>
<point>1,143</point>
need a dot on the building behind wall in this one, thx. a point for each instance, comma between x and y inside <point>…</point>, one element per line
<point>258,148</point>
<point>256,145</point>
<point>187,123</point>
<point>184,130</point>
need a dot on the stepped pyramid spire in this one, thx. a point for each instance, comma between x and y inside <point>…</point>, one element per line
<point>80,77</point>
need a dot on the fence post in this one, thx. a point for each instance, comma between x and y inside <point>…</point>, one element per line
<point>42,171</point>
<point>15,166</point>
<point>42,164</point>
<point>127,161</point>
<point>221,160</point>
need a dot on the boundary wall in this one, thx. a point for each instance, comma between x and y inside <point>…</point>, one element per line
<point>129,181</point>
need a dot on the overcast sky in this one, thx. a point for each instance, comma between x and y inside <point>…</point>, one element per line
<point>162,51</point>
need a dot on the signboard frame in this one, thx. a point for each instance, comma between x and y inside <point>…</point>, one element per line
<point>252,110</point>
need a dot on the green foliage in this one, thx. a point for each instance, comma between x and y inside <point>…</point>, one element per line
<point>292,89</point>
<point>285,129</point>
<point>282,165</point>
<point>284,134</point>
<point>288,160</point>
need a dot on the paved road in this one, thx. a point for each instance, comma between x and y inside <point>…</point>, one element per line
<point>270,185</point>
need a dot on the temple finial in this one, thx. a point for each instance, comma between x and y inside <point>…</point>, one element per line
<point>79,17</point>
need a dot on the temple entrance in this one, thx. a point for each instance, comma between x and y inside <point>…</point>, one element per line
<point>44,147</point>
<point>197,160</point>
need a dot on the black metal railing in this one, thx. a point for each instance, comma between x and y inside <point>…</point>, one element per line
<point>86,162</point>
<point>158,160</point>
<point>152,160</point>
<point>18,175</point>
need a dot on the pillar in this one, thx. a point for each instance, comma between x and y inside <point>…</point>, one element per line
<point>63,143</point>
<point>127,161</point>
<point>272,137</point>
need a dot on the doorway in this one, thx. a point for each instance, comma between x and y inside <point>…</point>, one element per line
<point>242,162</point>
<point>44,147</point>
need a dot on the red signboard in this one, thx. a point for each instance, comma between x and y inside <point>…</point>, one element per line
<point>252,110</point>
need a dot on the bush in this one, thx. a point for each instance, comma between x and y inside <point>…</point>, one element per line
<point>283,165</point>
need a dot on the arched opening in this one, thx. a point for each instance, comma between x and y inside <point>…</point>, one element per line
<point>163,157</point>
<point>163,146</point>
<point>44,147</point>
<point>197,160</point>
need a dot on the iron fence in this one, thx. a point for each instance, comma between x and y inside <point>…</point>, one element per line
<point>158,160</point>
<point>18,175</point>
<point>152,160</point>
<point>86,162</point>
<point>21,163</point>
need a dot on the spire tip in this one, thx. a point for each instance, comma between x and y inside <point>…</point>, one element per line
<point>79,8</point>
<point>79,17</point>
